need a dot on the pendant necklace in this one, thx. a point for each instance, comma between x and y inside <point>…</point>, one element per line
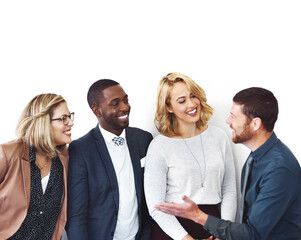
<point>204,160</point>
<point>39,166</point>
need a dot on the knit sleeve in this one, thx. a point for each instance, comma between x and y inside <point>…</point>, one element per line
<point>229,202</point>
<point>156,170</point>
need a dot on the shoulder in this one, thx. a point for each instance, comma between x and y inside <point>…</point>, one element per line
<point>85,139</point>
<point>161,142</point>
<point>161,139</point>
<point>281,156</point>
<point>138,134</point>
<point>11,152</point>
<point>216,133</point>
<point>13,147</point>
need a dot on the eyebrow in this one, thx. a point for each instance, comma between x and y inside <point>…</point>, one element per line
<point>180,97</point>
<point>118,99</point>
<point>66,114</point>
<point>231,113</point>
<point>115,99</point>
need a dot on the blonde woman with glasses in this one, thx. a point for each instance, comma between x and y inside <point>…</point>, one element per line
<point>33,172</point>
<point>188,157</point>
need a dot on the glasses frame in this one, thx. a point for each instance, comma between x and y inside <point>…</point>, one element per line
<point>65,119</point>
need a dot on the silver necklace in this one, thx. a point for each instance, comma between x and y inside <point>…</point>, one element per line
<point>203,174</point>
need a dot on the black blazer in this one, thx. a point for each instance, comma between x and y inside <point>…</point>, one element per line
<point>93,196</point>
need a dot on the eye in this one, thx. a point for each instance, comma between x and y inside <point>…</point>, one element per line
<point>115,103</point>
<point>181,100</point>
<point>64,118</point>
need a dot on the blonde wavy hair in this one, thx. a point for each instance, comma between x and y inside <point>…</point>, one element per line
<point>166,122</point>
<point>34,126</point>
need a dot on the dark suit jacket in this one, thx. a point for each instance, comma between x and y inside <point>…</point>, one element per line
<point>93,196</point>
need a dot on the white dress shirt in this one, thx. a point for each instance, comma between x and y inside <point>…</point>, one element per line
<point>127,220</point>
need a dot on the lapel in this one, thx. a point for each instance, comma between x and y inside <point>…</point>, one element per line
<point>64,158</point>
<point>135,158</point>
<point>25,165</point>
<point>107,162</point>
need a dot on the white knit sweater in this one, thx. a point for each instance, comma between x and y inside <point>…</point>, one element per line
<point>175,167</point>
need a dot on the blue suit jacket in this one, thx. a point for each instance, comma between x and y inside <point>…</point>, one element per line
<point>93,196</point>
<point>273,198</point>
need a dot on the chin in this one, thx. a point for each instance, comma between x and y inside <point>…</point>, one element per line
<point>125,125</point>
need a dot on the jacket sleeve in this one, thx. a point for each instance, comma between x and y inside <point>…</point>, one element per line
<point>146,222</point>
<point>146,225</point>
<point>273,199</point>
<point>78,192</point>
<point>224,229</point>
<point>3,164</point>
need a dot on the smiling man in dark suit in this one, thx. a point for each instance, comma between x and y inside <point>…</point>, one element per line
<point>105,182</point>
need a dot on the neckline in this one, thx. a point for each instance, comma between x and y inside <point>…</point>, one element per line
<point>191,138</point>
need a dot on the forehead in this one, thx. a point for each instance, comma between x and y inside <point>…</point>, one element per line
<point>179,89</point>
<point>113,92</point>
<point>60,109</point>
<point>236,110</point>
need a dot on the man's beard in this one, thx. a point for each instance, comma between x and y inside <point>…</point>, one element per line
<point>244,136</point>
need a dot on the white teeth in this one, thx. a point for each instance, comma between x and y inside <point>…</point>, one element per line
<point>192,112</point>
<point>69,132</point>
<point>123,117</point>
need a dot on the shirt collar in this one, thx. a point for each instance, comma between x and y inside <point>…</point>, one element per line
<point>108,136</point>
<point>259,152</point>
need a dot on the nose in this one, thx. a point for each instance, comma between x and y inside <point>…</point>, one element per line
<point>190,103</point>
<point>70,123</point>
<point>125,106</point>
<point>228,120</point>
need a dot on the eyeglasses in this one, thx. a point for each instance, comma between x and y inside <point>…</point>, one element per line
<point>65,119</point>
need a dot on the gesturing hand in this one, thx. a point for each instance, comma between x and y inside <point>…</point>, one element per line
<point>188,209</point>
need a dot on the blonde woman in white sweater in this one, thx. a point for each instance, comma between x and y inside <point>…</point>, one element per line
<point>188,157</point>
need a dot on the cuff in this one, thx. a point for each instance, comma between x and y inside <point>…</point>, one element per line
<point>211,224</point>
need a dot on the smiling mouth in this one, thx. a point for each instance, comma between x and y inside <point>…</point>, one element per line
<point>68,132</point>
<point>192,112</point>
<point>124,117</point>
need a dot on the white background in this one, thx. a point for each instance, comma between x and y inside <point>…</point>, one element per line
<point>225,46</point>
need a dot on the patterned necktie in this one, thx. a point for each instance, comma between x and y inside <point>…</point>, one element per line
<point>244,186</point>
<point>118,141</point>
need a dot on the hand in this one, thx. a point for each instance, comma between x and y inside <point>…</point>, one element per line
<point>210,238</point>
<point>188,209</point>
<point>187,237</point>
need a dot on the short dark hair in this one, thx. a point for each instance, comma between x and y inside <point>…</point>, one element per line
<point>259,102</point>
<point>96,89</point>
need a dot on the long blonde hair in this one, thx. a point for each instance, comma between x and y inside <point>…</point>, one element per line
<point>34,126</point>
<point>166,122</point>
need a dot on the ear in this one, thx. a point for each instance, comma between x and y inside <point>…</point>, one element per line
<point>256,123</point>
<point>168,108</point>
<point>96,110</point>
